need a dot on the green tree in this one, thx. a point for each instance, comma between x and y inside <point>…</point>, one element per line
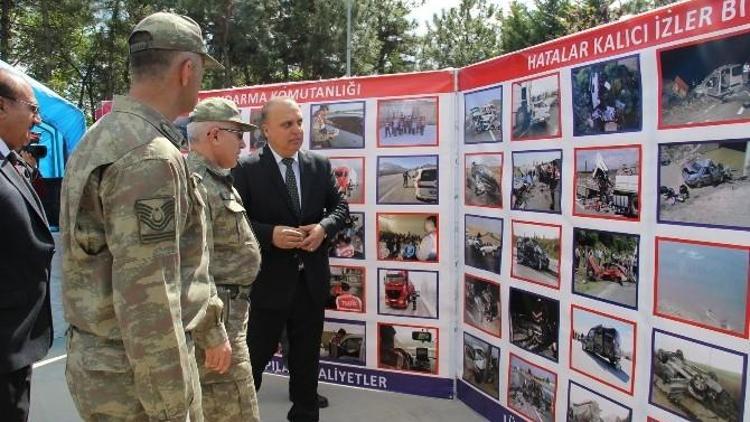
<point>516,33</point>
<point>462,35</point>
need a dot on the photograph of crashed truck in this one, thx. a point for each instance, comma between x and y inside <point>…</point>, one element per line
<point>536,181</point>
<point>602,347</point>
<point>607,97</point>
<point>483,113</point>
<point>536,108</point>
<point>532,390</point>
<point>481,365</point>
<point>408,293</point>
<point>607,182</point>
<point>483,172</point>
<point>605,266</point>
<point>482,305</point>
<point>705,83</point>
<point>483,242</point>
<point>705,183</point>
<point>586,405</point>
<point>536,253</point>
<point>697,381</point>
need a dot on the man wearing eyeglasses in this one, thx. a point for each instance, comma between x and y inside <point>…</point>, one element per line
<point>215,132</point>
<point>26,253</point>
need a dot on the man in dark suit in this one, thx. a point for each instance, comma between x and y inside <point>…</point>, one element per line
<point>26,253</point>
<point>295,209</point>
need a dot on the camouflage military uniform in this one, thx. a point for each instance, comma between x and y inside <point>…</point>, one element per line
<point>235,261</point>
<point>136,282</point>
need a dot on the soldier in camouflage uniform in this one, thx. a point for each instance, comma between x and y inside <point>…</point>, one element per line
<point>136,288</point>
<point>215,133</point>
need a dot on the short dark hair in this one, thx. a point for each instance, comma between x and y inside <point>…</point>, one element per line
<point>151,62</point>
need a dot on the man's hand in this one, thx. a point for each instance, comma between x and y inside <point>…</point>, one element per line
<point>30,160</point>
<point>315,235</point>
<point>219,358</point>
<point>285,237</point>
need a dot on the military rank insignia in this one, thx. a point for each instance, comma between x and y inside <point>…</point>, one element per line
<point>155,219</point>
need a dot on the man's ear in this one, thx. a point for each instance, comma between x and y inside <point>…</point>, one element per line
<point>187,69</point>
<point>3,107</point>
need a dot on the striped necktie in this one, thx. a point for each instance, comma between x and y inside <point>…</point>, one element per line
<point>291,184</point>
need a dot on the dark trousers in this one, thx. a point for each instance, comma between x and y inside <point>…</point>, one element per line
<point>304,326</point>
<point>15,388</point>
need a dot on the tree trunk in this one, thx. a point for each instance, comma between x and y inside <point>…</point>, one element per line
<point>5,28</point>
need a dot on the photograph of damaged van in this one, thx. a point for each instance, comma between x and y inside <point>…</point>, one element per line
<point>605,342</point>
<point>426,184</point>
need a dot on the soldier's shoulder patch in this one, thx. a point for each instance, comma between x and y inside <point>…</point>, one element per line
<point>156,219</point>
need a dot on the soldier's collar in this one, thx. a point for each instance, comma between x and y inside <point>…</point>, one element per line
<point>212,168</point>
<point>126,104</point>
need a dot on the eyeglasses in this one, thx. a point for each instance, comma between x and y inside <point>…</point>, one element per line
<point>237,132</point>
<point>34,108</point>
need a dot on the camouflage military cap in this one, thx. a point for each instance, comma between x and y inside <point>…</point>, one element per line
<point>168,31</point>
<point>219,109</point>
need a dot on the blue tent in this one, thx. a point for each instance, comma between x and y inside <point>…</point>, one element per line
<point>63,125</point>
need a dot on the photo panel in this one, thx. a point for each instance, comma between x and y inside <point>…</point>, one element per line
<point>585,404</point>
<point>536,108</point>
<point>349,242</point>
<point>607,97</point>
<point>602,347</point>
<point>408,122</point>
<point>408,237</point>
<point>343,341</point>
<point>536,181</point>
<point>605,266</point>
<point>349,173</point>
<point>705,183</point>
<point>607,182</point>
<point>408,348</point>
<point>695,380</point>
<point>483,115</point>
<point>348,289</point>
<point>536,253</point>
<point>337,125</point>
<point>483,172</point>
<point>483,242</point>
<point>535,323</point>
<point>408,293</point>
<point>704,82</point>
<point>703,284</point>
<point>254,139</point>
<point>482,308</point>
<point>482,365</point>
<point>532,390</point>
<point>408,179</point>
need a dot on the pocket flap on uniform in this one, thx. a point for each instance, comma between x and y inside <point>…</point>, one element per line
<point>105,359</point>
<point>234,206</point>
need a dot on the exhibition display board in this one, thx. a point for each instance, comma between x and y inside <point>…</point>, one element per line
<point>562,233</point>
<point>605,209</point>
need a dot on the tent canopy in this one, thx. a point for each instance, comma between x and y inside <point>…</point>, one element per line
<point>63,125</point>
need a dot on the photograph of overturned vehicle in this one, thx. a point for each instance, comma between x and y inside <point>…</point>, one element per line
<point>536,108</point>
<point>349,242</point>
<point>607,97</point>
<point>408,348</point>
<point>705,83</point>
<point>482,304</point>
<point>483,113</point>
<point>483,242</point>
<point>705,183</point>
<point>481,365</point>
<point>409,179</point>
<point>534,323</point>
<point>536,181</point>
<point>410,293</point>
<point>337,125</point>
<point>532,390</point>
<point>608,182</point>
<point>349,174</point>
<point>695,380</point>
<point>605,266</point>
<point>343,341</point>
<point>483,179</point>
<point>585,405</point>
<point>536,253</point>
<point>605,348</point>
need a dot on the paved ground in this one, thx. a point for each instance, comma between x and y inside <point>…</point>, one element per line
<point>599,367</point>
<point>546,277</point>
<point>391,190</point>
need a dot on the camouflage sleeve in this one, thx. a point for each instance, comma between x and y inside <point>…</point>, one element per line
<point>143,205</point>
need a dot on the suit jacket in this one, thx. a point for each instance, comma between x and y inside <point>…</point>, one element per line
<point>26,251</point>
<point>259,182</point>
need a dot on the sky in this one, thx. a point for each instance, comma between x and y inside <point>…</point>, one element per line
<point>424,13</point>
<point>699,353</point>
<point>531,230</point>
<point>523,159</point>
<point>614,158</point>
<point>484,224</point>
